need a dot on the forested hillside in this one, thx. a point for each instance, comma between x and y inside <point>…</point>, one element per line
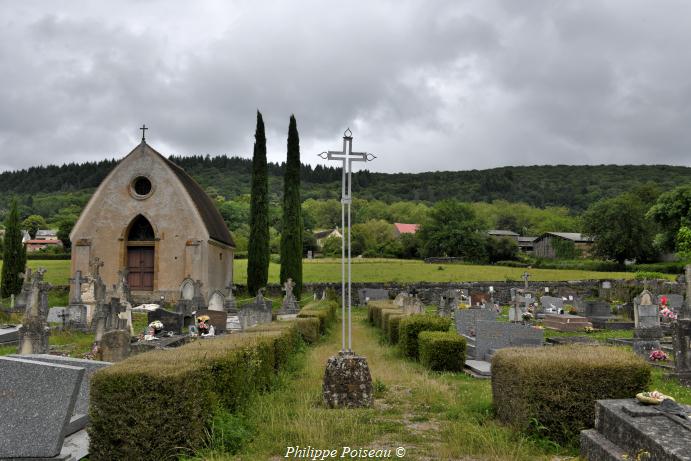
<point>574,187</point>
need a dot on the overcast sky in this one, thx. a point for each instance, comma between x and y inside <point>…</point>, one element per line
<point>424,85</point>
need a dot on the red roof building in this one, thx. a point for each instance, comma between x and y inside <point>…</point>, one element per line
<point>402,228</point>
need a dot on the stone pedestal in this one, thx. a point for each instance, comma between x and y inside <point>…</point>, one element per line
<point>33,336</point>
<point>347,382</point>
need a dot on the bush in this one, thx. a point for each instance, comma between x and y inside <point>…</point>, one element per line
<point>392,328</point>
<point>154,405</point>
<point>411,326</point>
<point>309,329</point>
<point>385,314</point>
<point>375,310</point>
<point>442,351</point>
<point>555,388</point>
<point>647,275</point>
<point>324,311</point>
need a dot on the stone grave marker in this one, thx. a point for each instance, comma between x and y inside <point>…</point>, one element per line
<point>413,305</point>
<point>114,346</point>
<point>34,332</point>
<point>682,350</point>
<point>675,302</point>
<point>491,336</point>
<point>37,404</point>
<point>647,333</point>
<point>217,301</point>
<point>597,308</point>
<point>479,298</point>
<point>187,289</point>
<point>400,299</point>
<point>372,294</point>
<point>551,304</point>
<point>171,321</point>
<point>219,319</point>
<point>9,334</point>
<point>466,319</point>
<point>290,307</point>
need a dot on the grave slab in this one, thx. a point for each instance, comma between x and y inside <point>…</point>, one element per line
<point>37,404</point>
<point>479,368</point>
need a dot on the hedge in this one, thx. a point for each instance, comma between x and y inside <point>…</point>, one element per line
<point>324,311</point>
<point>157,404</point>
<point>553,390</point>
<point>392,328</point>
<point>411,326</point>
<point>442,351</point>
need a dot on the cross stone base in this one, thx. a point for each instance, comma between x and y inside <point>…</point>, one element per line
<point>347,382</point>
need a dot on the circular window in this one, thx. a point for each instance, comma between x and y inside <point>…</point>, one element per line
<point>141,186</point>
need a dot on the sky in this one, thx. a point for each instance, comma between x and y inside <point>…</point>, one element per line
<point>423,85</point>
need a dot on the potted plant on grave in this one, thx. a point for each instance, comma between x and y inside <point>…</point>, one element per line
<point>203,324</point>
<point>658,355</point>
<point>527,317</point>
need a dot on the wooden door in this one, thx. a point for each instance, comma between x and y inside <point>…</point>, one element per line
<point>140,262</point>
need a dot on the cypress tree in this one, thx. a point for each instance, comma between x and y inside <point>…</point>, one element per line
<point>291,235</point>
<point>13,255</point>
<point>258,248</point>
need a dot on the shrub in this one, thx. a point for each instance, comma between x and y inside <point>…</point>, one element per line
<point>325,311</point>
<point>374,311</point>
<point>411,326</point>
<point>309,329</point>
<point>442,351</point>
<point>153,405</point>
<point>555,388</point>
<point>392,327</point>
<point>386,314</point>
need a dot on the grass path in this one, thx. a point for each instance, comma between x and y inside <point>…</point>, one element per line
<point>433,416</point>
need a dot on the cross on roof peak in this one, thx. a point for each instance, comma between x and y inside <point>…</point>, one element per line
<point>144,128</point>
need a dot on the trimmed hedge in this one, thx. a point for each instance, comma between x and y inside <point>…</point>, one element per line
<point>555,388</point>
<point>157,404</point>
<point>309,329</point>
<point>411,326</point>
<point>385,314</point>
<point>442,351</point>
<point>392,328</point>
<point>324,311</point>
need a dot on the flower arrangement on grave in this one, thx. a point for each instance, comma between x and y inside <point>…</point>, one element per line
<point>589,329</point>
<point>527,316</point>
<point>155,327</point>
<point>668,314</point>
<point>658,355</point>
<point>203,324</point>
<point>573,311</point>
<point>653,397</point>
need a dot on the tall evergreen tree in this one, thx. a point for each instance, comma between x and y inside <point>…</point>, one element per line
<point>13,255</point>
<point>258,247</point>
<point>291,235</point>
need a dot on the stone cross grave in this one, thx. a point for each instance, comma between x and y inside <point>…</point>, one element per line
<point>647,333</point>
<point>34,332</point>
<point>290,307</point>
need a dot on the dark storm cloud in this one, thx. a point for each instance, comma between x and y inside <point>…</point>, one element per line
<point>425,85</point>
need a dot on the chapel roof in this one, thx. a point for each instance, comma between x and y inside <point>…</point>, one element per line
<point>210,215</point>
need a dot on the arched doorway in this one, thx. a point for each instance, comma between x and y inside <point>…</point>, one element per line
<point>140,255</point>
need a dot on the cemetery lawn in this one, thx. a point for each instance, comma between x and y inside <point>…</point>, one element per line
<point>431,415</point>
<point>410,271</point>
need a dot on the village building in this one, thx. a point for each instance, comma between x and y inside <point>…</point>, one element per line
<point>321,235</point>
<point>551,245</point>
<point>404,228</point>
<point>499,233</point>
<point>151,218</point>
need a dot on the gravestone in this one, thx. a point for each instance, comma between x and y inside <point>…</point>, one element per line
<point>449,300</point>
<point>81,407</point>
<point>466,319</point>
<point>121,290</point>
<point>597,309</point>
<point>114,346</point>
<point>171,321</point>
<point>479,298</point>
<point>682,350</point>
<point>566,322</point>
<point>413,305</point>
<point>254,314</point>
<point>37,404</point>
<point>217,301</point>
<point>23,296</point>
<point>400,299</point>
<point>372,294</point>
<point>626,429</point>
<point>187,289</point>
<point>230,305</point>
<point>34,332</point>
<point>490,336</point>
<point>675,302</point>
<point>218,319</point>
<point>290,307</point>
<point>9,334</point>
<point>647,333</point>
<point>552,304</point>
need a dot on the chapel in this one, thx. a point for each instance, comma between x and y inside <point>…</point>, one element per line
<point>151,218</point>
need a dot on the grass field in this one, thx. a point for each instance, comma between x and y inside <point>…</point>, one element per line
<point>382,270</point>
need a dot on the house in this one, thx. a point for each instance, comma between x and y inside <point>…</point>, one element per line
<point>403,228</point>
<point>322,235</point>
<point>503,234</point>
<point>46,234</point>
<point>150,219</point>
<point>33,245</point>
<point>551,245</point>
<point>526,244</point>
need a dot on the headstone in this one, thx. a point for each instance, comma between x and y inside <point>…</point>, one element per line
<point>290,307</point>
<point>400,298</point>
<point>198,301</point>
<point>552,304</point>
<point>479,298</point>
<point>122,288</point>
<point>217,301</point>
<point>23,296</point>
<point>171,321</point>
<point>187,289</point>
<point>413,305</point>
<point>598,309</point>
<point>466,319</point>
<point>114,346</point>
<point>126,317</point>
<point>682,350</point>
<point>566,322</point>
<point>647,334</point>
<point>9,334</point>
<point>490,336</point>
<point>37,404</point>
<point>254,314</point>
<point>230,305</point>
<point>675,302</point>
<point>217,319</point>
<point>372,294</point>
<point>34,332</point>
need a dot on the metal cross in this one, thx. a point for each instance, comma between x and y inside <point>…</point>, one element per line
<point>347,157</point>
<point>143,128</point>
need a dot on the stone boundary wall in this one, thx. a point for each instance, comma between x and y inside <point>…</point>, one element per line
<point>430,292</point>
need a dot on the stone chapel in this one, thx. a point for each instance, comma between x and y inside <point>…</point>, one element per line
<point>150,217</point>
